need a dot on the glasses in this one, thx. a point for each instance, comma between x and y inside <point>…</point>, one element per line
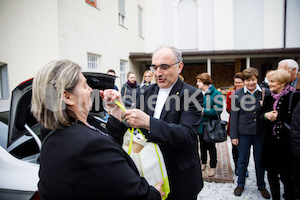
<point>162,66</point>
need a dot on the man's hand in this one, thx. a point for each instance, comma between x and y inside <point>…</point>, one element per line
<point>137,119</point>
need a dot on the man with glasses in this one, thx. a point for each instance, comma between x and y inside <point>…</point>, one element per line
<point>170,116</point>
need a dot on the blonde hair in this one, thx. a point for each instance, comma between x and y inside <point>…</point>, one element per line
<point>147,72</point>
<point>48,89</point>
<point>279,75</point>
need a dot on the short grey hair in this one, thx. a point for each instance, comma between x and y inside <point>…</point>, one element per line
<point>48,89</point>
<point>291,64</point>
<point>177,53</point>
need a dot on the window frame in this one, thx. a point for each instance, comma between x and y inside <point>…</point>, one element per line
<point>140,20</point>
<point>4,82</point>
<point>121,14</point>
<point>92,61</point>
<point>123,65</point>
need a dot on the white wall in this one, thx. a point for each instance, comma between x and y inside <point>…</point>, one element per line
<point>154,17</point>
<point>293,23</point>
<point>83,28</point>
<point>273,32</point>
<point>248,26</point>
<point>28,37</point>
<point>223,21</point>
<point>187,24</point>
<point>206,22</point>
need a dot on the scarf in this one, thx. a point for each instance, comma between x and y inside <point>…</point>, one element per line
<point>286,90</point>
<point>132,85</point>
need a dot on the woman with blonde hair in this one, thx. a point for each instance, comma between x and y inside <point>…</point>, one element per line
<point>147,79</point>
<point>277,155</point>
<point>80,160</point>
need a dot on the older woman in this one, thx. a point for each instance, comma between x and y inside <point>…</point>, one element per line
<point>212,106</point>
<point>147,79</point>
<point>78,160</point>
<point>244,129</point>
<point>277,155</point>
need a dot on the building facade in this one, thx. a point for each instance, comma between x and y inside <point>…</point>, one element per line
<point>220,37</point>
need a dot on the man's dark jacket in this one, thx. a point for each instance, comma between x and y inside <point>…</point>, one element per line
<point>176,134</point>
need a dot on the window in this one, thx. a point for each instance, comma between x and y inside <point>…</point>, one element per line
<point>123,78</point>
<point>122,12</point>
<point>93,62</point>
<point>92,2</point>
<point>140,19</point>
<point>4,89</point>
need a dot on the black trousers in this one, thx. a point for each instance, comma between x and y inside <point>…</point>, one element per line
<point>286,178</point>
<point>297,178</point>
<point>211,148</point>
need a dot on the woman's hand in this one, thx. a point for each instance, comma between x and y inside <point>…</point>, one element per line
<point>235,141</point>
<point>271,116</point>
<point>158,187</point>
<point>109,96</point>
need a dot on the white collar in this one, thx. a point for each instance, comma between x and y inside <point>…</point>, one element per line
<point>257,88</point>
<point>204,92</point>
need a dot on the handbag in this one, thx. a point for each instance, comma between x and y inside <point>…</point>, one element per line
<point>215,130</point>
<point>286,125</point>
<point>148,159</point>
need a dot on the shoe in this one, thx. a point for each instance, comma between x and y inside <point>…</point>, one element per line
<point>203,166</point>
<point>265,193</point>
<point>212,172</point>
<point>238,190</point>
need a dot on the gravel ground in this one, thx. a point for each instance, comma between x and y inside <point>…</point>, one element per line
<point>222,191</point>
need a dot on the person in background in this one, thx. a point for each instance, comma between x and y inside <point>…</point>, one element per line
<point>238,84</point>
<point>147,79</point>
<point>212,106</point>
<point>295,143</point>
<point>277,155</point>
<point>172,122</point>
<point>113,73</point>
<point>245,130</point>
<point>130,90</point>
<point>181,77</point>
<point>80,160</point>
<point>292,67</point>
<point>265,83</point>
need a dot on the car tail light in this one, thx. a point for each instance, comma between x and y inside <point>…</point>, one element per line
<point>35,196</point>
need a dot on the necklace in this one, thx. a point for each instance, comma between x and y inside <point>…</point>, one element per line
<point>98,130</point>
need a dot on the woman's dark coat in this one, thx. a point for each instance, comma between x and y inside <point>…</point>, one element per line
<point>276,150</point>
<point>80,163</point>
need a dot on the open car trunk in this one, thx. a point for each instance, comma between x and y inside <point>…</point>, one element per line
<point>20,113</point>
